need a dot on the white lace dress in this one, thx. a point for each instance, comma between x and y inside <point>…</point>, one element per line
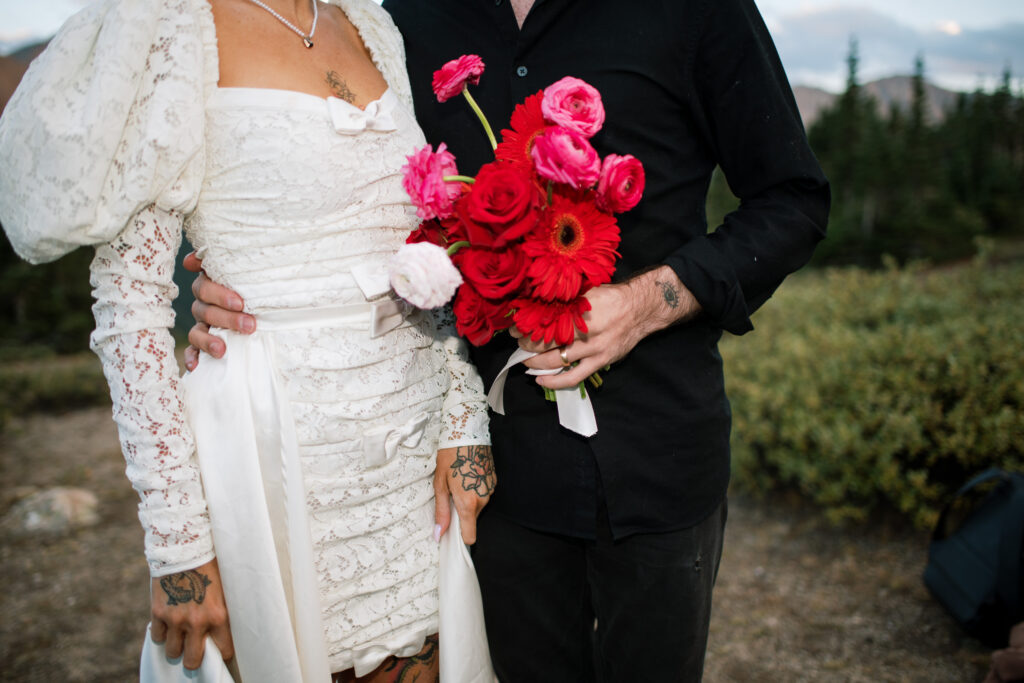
<point>295,202</point>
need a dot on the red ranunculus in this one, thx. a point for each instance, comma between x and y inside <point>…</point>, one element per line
<point>526,124</point>
<point>574,104</point>
<point>622,183</point>
<point>565,156</point>
<point>504,203</point>
<point>451,79</point>
<point>495,273</point>
<point>477,318</point>
<point>573,248</point>
<point>551,322</point>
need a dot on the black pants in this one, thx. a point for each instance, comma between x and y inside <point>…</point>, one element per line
<point>650,595</point>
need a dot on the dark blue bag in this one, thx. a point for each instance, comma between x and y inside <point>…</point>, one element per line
<point>976,571</point>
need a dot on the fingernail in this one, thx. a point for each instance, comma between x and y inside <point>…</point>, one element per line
<point>234,304</point>
<point>217,349</point>
<point>248,325</point>
<point>437,533</point>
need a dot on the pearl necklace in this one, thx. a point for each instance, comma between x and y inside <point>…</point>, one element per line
<point>307,39</point>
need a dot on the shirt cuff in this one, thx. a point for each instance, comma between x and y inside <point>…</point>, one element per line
<point>712,280</point>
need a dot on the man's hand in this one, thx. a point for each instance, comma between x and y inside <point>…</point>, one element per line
<point>186,607</point>
<point>467,474</point>
<point>620,316</point>
<point>215,306</point>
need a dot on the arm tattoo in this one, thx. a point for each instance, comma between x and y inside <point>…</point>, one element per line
<point>185,587</point>
<point>670,293</point>
<point>475,466</point>
<point>339,87</point>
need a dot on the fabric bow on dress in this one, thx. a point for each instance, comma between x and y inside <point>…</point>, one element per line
<point>348,119</point>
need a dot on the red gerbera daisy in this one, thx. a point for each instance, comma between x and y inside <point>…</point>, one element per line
<point>551,322</point>
<point>527,123</point>
<point>573,248</point>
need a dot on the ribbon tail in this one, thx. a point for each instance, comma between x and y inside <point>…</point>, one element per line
<point>496,396</point>
<point>576,412</point>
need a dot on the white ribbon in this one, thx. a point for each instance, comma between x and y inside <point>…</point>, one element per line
<point>349,119</point>
<point>247,451</point>
<point>381,443</point>
<point>248,458</point>
<point>575,412</point>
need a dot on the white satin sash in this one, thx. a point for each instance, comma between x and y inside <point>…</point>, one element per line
<point>248,457</point>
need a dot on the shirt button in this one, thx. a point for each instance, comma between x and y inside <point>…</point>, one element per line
<point>522,71</point>
<point>497,3</point>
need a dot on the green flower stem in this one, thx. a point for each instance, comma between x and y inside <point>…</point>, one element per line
<point>458,179</point>
<point>455,246</point>
<point>483,119</point>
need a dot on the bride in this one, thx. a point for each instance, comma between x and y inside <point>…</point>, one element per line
<point>288,491</point>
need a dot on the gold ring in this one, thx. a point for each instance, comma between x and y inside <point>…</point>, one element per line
<point>562,352</point>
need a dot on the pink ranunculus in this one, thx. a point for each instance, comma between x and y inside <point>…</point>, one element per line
<point>574,104</point>
<point>424,275</point>
<point>621,184</point>
<point>423,179</point>
<point>451,79</point>
<point>565,156</point>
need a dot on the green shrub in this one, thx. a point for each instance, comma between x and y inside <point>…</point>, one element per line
<point>50,384</point>
<point>880,390</point>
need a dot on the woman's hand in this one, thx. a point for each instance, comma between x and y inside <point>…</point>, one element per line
<point>186,607</point>
<point>215,306</point>
<point>467,474</point>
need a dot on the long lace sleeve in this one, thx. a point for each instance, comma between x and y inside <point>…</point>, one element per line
<point>132,280</point>
<point>464,419</point>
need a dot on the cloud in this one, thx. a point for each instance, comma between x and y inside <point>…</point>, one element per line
<point>813,44</point>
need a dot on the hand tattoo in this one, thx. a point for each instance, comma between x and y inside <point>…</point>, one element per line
<point>185,587</point>
<point>670,294</point>
<point>476,467</point>
<point>339,87</point>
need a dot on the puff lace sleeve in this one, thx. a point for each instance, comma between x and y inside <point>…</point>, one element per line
<point>103,145</point>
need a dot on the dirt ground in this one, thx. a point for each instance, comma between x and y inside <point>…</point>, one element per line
<point>796,600</point>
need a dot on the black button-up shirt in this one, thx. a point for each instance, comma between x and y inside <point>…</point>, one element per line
<point>687,84</point>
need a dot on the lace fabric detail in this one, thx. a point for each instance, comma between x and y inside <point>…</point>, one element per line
<point>133,286</point>
<point>136,141</point>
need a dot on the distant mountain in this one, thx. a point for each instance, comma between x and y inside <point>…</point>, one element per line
<point>895,91</point>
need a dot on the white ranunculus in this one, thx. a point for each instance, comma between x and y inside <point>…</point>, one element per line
<point>424,275</point>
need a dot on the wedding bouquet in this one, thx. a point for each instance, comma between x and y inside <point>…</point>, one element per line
<point>522,242</point>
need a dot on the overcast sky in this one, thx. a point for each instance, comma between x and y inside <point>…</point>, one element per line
<point>965,43</point>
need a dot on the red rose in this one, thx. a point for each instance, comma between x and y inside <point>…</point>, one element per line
<point>505,202</point>
<point>549,322</point>
<point>477,318</point>
<point>428,231</point>
<point>443,232</point>
<point>495,273</point>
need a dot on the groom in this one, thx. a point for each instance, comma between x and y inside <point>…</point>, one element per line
<point>597,557</point>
